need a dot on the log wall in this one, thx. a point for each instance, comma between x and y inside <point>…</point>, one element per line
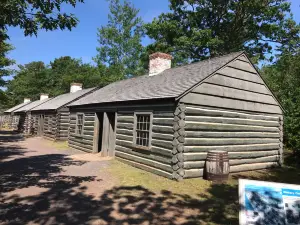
<point>158,158</point>
<point>233,110</point>
<point>82,142</point>
<point>50,126</point>
<point>63,123</point>
<point>14,122</point>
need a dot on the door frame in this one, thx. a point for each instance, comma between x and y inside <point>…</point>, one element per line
<point>108,124</point>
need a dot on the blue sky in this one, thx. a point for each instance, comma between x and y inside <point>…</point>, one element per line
<point>81,42</point>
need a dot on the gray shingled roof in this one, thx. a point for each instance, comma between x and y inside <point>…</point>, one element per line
<point>61,100</point>
<point>169,84</point>
<point>16,107</point>
<point>32,105</point>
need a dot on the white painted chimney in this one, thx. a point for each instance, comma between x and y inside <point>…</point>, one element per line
<point>43,97</point>
<point>75,87</point>
<point>159,62</point>
<point>26,100</point>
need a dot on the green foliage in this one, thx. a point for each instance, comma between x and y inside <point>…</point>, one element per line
<point>284,79</point>
<point>5,62</point>
<point>35,78</point>
<point>197,29</point>
<point>120,42</point>
<point>32,15</point>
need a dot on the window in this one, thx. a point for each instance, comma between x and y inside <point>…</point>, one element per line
<point>143,126</point>
<point>79,124</point>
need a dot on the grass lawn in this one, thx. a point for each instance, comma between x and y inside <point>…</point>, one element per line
<point>193,201</point>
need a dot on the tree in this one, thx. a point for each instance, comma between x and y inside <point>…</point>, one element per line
<point>30,80</point>
<point>284,78</point>
<point>54,79</point>
<point>32,15</point>
<point>120,42</point>
<point>66,70</point>
<point>198,29</point>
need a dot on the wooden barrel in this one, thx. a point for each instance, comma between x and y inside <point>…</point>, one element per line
<point>217,166</point>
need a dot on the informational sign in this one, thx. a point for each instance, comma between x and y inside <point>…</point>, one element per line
<point>269,203</point>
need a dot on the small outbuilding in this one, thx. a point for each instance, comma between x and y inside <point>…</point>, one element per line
<point>25,123</point>
<point>167,121</point>
<point>10,120</point>
<point>52,118</point>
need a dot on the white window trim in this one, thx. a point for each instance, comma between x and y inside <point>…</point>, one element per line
<point>150,130</point>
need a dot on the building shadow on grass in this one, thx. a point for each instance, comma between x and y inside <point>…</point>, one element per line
<point>64,199</point>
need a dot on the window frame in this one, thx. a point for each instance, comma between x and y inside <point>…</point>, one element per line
<point>77,119</point>
<point>136,114</point>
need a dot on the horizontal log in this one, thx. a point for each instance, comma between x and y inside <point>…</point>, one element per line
<point>76,147</point>
<point>145,161</point>
<point>193,173</point>
<point>163,144</point>
<point>128,144</point>
<point>274,158</point>
<point>194,165</point>
<point>76,141</point>
<point>147,168</point>
<point>145,154</point>
<point>161,151</point>
<point>64,121</point>
<point>125,131</point>
<point>221,113</point>
<point>89,123</point>
<point>166,137</point>
<point>88,133</point>
<point>81,136</point>
<point>254,166</point>
<point>232,155</point>
<point>228,141</point>
<point>209,100</point>
<point>240,121</point>
<point>163,129</point>
<point>125,119</point>
<point>163,121</point>
<point>124,137</point>
<point>127,126</point>
<point>232,148</point>
<point>194,156</point>
<point>255,154</point>
<point>81,145</point>
<point>206,134</point>
<point>89,118</point>
<point>88,128</point>
<point>163,115</point>
<point>198,126</point>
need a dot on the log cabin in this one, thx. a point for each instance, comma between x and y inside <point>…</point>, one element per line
<point>51,119</point>
<point>11,120</point>
<point>166,122</point>
<point>25,124</point>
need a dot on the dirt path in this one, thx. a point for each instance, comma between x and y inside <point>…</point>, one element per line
<point>42,185</point>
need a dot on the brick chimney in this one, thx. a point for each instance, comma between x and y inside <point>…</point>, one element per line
<point>43,97</point>
<point>75,87</point>
<point>159,62</point>
<point>26,100</point>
